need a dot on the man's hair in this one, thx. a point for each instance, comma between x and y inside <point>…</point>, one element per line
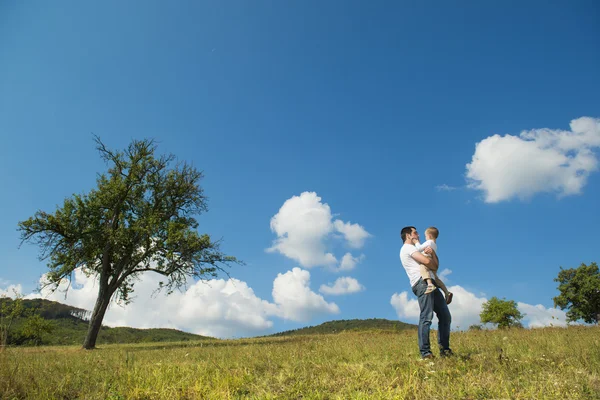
<point>406,231</point>
<point>432,231</point>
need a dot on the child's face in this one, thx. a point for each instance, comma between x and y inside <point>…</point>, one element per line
<point>427,236</point>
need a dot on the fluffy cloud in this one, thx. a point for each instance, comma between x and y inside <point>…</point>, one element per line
<point>11,290</point>
<point>343,285</point>
<point>354,233</point>
<point>466,307</point>
<point>349,262</point>
<point>444,274</point>
<point>406,308</point>
<point>221,308</point>
<point>540,160</point>
<point>217,307</point>
<point>539,316</point>
<point>303,225</point>
<point>291,291</point>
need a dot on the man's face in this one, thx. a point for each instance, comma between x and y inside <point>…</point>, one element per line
<point>414,235</point>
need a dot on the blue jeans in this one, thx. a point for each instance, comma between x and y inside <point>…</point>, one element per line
<point>430,303</point>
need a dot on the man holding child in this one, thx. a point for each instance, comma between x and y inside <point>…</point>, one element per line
<point>429,301</point>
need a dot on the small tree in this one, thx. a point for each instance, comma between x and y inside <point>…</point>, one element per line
<point>34,329</point>
<point>10,310</point>
<point>140,218</point>
<point>579,293</point>
<point>504,313</point>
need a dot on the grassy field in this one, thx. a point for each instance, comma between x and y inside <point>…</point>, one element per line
<point>550,363</point>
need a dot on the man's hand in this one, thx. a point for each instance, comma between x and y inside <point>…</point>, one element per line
<point>428,250</point>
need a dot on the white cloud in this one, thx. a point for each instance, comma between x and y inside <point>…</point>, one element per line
<point>406,308</point>
<point>11,291</point>
<point>539,316</point>
<point>354,233</point>
<point>540,160</point>
<point>444,274</point>
<point>445,188</point>
<point>296,301</point>
<point>217,307</point>
<point>303,225</point>
<point>349,262</point>
<point>466,307</point>
<point>221,308</point>
<point>343,285</point>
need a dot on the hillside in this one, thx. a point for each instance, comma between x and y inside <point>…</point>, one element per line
<point>70,324</point>
<point>373,324</point>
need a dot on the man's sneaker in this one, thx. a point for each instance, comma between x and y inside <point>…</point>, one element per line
<point>427,357</point>
<point>446,353</point>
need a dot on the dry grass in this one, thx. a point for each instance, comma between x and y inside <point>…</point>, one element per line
<point>551,363</point>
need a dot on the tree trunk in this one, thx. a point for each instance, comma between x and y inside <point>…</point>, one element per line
<point>102,302</point>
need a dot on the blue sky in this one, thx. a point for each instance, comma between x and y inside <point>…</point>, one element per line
<point>384,113</point>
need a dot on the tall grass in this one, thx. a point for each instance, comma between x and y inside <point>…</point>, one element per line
<point>549,363</point>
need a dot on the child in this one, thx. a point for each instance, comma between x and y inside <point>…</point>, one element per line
<point>431,235</point>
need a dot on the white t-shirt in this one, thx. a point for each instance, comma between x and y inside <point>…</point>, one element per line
<point>411,266</point>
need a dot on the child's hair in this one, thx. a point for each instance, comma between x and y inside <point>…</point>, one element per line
<point>432,231</point>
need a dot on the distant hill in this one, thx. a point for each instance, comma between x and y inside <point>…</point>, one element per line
<point>350,325</point>
<point>70,326</point>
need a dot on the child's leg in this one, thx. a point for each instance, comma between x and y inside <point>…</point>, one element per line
<point>424,272</point>
<point>442,286</point>
<point>427,278</point>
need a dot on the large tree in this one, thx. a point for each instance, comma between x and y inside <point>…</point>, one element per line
<point>579,293</point>
<point>139,218</point>
<point>504,313</point>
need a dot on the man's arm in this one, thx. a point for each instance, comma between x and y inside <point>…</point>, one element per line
<point>431,263</point>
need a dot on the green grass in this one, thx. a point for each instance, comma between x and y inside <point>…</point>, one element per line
<point>550,363</point>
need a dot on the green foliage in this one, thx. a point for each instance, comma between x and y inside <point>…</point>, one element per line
<point>10,311</point>
<point>373,324</point>
<point>503,313</point>
<point>141,217</point>
<point>475,327</point>
<point>579,293</point>
<point>35,328</point>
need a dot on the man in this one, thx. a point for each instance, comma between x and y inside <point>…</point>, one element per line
<point>428,303</point>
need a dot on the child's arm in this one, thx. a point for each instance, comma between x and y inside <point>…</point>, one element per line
<point>423,246</point>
